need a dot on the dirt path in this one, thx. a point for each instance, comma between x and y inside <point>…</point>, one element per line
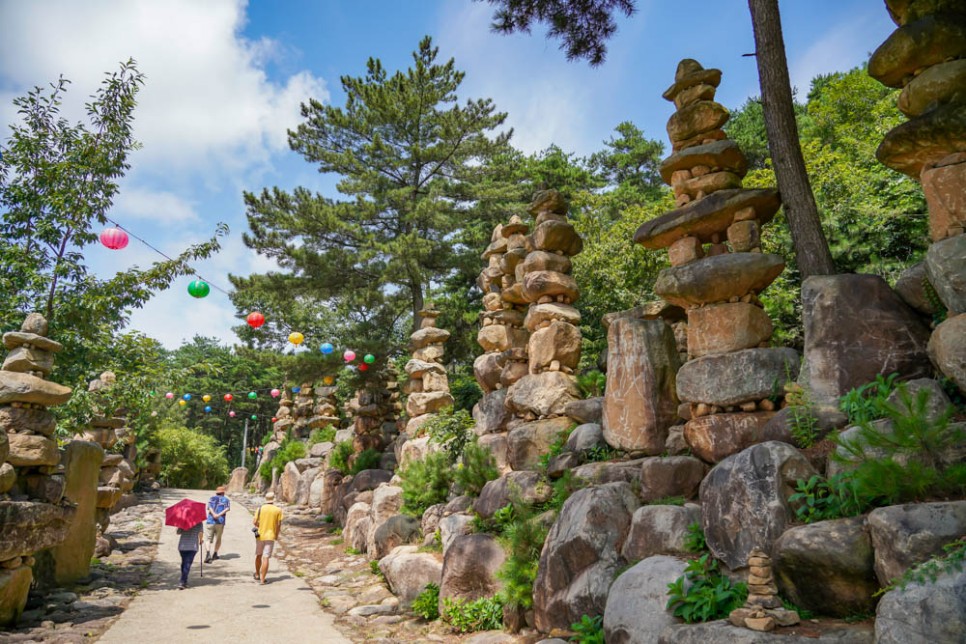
<point>226,604</point>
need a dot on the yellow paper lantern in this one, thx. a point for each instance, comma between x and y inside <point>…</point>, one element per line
<point>296,338</point>
<point>206,398</point>
<point>328,380</point>
<point>182,402</point>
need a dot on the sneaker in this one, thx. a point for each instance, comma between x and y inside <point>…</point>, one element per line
<point>208,559</point>
<point>214,556</point>
<point>182,586</point>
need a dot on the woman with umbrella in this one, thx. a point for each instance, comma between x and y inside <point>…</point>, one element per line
<point>188,517</point>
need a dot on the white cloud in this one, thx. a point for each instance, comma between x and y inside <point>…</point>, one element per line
<point>207,104</point>
<point>144,203</point>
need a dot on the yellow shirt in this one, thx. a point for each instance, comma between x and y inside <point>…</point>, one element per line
<point>269,522</point>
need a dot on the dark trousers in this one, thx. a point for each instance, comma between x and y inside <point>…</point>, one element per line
<point>187,556</point>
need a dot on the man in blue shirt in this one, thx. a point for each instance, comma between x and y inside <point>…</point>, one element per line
<point>218,507</point>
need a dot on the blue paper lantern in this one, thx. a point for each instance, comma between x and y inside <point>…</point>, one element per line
<point>187,396</point>
<point>207,409</point>
<point>327,348</point>
<point>295,390</point>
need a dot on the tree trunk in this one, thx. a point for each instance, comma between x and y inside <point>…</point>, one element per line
<point>418,303</point>
<point>811,249</point>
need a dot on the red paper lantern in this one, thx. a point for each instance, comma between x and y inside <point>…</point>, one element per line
<point>255,319</point>
<point>274,419</point>
<point>363,367</point>
<point>228,397</point>
<point>114,238</point>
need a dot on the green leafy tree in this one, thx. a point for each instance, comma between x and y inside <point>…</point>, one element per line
<point>190,459</point>
<point>57,182</point>
<point>410,158</point>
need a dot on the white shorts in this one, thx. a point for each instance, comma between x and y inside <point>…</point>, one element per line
<point>263,548</point>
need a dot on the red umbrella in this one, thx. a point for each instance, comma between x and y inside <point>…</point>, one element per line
<point>185,514</point>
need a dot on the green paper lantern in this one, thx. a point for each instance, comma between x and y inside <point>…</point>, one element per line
<point>369,359</point>
<point>198,289</point>
<point>254,417</point>
<point>252,395</point>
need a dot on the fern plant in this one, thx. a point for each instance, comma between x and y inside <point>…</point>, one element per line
<point>868,403</point>
<point>589,630</point>
<point>484,614</point>
<point>426,604</point>
<point>694,540</point>
<point>709,595</point>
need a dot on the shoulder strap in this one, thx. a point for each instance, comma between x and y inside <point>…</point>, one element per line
<point>259,513</point>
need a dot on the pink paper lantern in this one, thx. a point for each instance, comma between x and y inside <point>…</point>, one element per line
<point>114,238</point>
<point>349,355</point>
<point>231,414</point>
<point>169,395</point>
<point>275,393</point>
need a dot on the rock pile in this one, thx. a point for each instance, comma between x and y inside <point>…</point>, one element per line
<point>717,271</point>
<point>428,385</point>
<point>32,515</point>
<point>118,470</point>
<point>926,57</point>
<point>374,411</point>
<point>763,609</point>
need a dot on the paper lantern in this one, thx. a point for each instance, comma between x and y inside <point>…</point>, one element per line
<point>207,409</point>
<point>229,397</point>
<point>363,367</point>
<point>295,390</point>
<point>198,289</point>
<point>255,319</point>
<point>114,238</point>
<point>231,414</point>
<point>169,395</point>
<point>182,403</point>
<point>275,393</point>
<point>187,397</point>
<point>326,348</point>
<point>328,380</point>
<point>274,419</point>
<point>254,417</point>
<point>252,395</point>
<point>349,355</point>
<point>369,359</point>
<point>296,338</point>
<point>206,398</point>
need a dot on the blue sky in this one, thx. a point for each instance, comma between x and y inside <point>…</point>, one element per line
<point>225,79</point>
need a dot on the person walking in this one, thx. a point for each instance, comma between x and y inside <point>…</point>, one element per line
<point>268,524</point>
<point>218,507</point>
<point>188,546</point>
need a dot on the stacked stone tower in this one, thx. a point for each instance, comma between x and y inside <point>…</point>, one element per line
<point>926,57</point>
<point>428,385</point>
<point>717,271</point>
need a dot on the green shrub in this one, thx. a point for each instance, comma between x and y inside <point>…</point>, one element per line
<point>190,459</point>
<point>477,469</point>
<point>266,439</point>
<point>426,482</point>
<point>522,537</point>
<point>339,456</point>
<point>601,452</point>
<point>592,383</point>
<point>324,435</point>
<point>589,630</point>
<point>367,459</point>
<point>451,429</point>
<point>953,559</point>
<point>290,450</point>
<point>563,488</point>
<point>556,448</point>
<point>426,604</point>
<point>694,539</point>
<point>710,595</point>
<point>818,499</point>
<point>668,500</point>
<point>484,614</point>
<point>868,402</point>
<point>466,392</point>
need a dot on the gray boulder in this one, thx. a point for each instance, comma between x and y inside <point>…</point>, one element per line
<point>26,527</point>
<point>723,631</point>
<point>585,437</point>
<point>357,524</point>
<point>744,500</point>
<point>929,612</point>
<point>469,568</point>
<point>635,611</point>
<point>946,268</point>
<point>395,531</point>
<point>659,530</point>
<point>737,377</point>
<point>669,476</point>
<point>408,571</point>
<point>528,441</point>
<point>491,414</point>
<point>609,472</point>
<point>527,486</point>
<point>453,527</point>
<point>589,410</point>
<point>543,394</point>
<point>906,535</point>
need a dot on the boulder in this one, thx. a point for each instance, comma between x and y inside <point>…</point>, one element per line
<point>329,495</point>
<point>42,487</point>
<point>550,312</point>
<point>640,401</point>
<point>8,476</point>
<point>387,502</point>
<point>738,377</point>
<point>636,610</point>
<point>826,567</point>
<point>550,284</point>
<point>26,359</point>
<point>315,490</point>
<point>496,444</point>
<point>22,387</point>
<point>357,523</point>
<point>469,568</point>
<point>428,402</point>
<point>557,236</point>
<point>14,339</point>
<point>659,530</point>
<point>542,394</point>
<point>722,631</point>
<point>321,450</point>
<point>929,612</point>
<point>609,472</point>
<point>27,527</point>
<point>526,486</point>
<point>670,476</point>
<point>589,410</point>
<point>716,437</point>
<point>429,523</point>
<point>527,442</point>
<point>394,531</point>
<point>944,185</point>
<point>539,260</point>
<point>856,328</point>
<point>427,336</point>
<point>14,586</point>
<point>17,420</point>
<point>582,555</point>
<point>4,448</point>
<point>911,287</point>
<point>938,84</point>
<point>417,368</point>
<point>924,140</point>
<point>304,487</point>
<point>72,558</point>
<point>487,369</point>
<point>931,40</point>
<point>236,484</point>
<point>706,218</point>
<point>744,500</point>
<point>558,342</point>
<point>585,437</point>
<point>499,337</point>
<point>32,450</point>
<point>725,155</point>
<point>416,449</point>
<point>906,535</point>
<point>108,496</point>
<point>946,269</point>
<point>452,527</point>
<point>903,12</point>
<point>408,571</point>
<point>697,118</point>
<point>491,414</point>
<point>288,482</point>
<point>723,328</point>
<point>718,278</point>
<point>947,349</point>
